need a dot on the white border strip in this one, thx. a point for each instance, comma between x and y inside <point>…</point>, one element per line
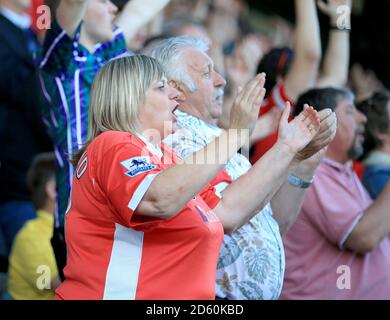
<point>350,229</point>
<point>77,107</point>
<point>48,53</point>
<point>141,190</point>
<point>125,262</point>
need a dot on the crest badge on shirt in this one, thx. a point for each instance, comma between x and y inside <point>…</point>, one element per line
<point>206,215</point>
<point>137,165</point>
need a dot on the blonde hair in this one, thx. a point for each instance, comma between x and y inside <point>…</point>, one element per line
<point>118,90</point>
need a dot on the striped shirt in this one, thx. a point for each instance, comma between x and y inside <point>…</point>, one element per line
<point>68,70</point>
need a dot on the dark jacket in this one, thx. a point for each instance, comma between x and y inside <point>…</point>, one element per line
<point>22,133</point>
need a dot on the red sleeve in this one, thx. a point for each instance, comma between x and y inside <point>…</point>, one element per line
<point>359,168</point>
<point>210,194</point>
<point>125,174</point>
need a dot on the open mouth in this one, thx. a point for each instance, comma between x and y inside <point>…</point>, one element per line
<point>219,98</point>
<point>175,108</point>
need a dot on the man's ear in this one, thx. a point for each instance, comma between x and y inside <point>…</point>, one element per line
<point>383,137</point>
<point>179,87</point>
<point>51,189</point>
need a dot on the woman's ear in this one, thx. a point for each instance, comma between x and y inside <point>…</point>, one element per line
<point>179,87</point>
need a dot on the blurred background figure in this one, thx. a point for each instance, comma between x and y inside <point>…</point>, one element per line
<point>84,36</point>
<point>339,247</point>
<point>22,133</point>
<point>33,273</point>
<point>377,142</point>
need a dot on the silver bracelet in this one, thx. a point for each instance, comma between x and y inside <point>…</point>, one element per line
<point>298,182</point>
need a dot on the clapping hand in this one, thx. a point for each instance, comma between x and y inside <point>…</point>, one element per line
<point>325,135</point>
<point>298,133</point>
<point>246,106</point>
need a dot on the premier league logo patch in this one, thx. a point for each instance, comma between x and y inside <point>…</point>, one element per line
<point>137,165</point>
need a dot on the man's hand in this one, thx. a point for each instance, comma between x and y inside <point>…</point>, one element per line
<point>297,134</point>
<point>305,169</point>
<point>246,106</point>
<point>325,135</point>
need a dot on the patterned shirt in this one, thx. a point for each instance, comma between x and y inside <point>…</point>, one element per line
<point>251,260</point>
<point>68,70</point>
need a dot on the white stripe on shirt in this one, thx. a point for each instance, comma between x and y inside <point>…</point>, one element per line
<point>77,106</point>
<point>58,156</point>
<point>80,59</point>
<point>141,190</point>
<point>350,229</point>
<point>51,48</point>
<point>45,93</point>
<point>125,262</point>
<point>68,128</point>
<point>279,101</point>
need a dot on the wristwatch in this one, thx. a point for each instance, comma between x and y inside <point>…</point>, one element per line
<point>298,182</point>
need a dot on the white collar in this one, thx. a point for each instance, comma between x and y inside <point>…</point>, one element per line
<point>22,21</point>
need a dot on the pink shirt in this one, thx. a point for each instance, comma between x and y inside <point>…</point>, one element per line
<point>317,265</point>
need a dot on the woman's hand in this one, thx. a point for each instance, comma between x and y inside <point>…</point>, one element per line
<point>297,134</point>
<point>246,106</point>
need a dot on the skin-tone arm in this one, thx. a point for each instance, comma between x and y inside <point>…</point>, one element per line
<point>244,197</point>
<point>177,185</point>
<point>303,72</point>
<point>70,13</point>
<point>287,202</point>
<point>373,227</point>
<point>136,14</point>
<point>265,125</point>
<point>336,60</point>
<point>240,68</point>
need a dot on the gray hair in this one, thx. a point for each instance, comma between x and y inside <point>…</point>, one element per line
<point>169,53</point>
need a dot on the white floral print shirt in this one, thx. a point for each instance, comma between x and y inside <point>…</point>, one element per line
<point>251,261</point>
